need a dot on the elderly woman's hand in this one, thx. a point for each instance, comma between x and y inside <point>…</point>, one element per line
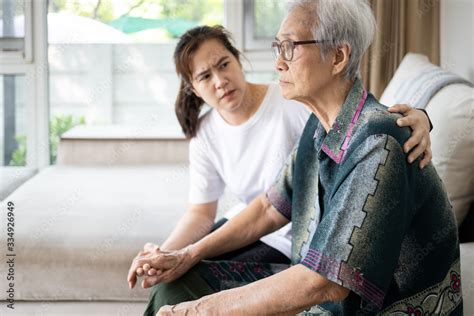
<point>419,142</point>
<point>168,266</point>
<point>186,308</point>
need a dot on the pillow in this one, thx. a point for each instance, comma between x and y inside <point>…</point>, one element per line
<point>451,111</point>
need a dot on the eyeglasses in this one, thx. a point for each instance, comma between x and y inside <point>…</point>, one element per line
<point>285,48</point>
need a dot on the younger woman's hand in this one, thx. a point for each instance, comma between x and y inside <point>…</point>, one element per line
<point>419,143</point>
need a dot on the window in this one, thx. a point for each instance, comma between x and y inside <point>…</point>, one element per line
<point>13,124</point>
<point>15,30</point>
<point>20,130</point>
<point>108,62</point>
<point>111,61</point>
<point>262,19</point>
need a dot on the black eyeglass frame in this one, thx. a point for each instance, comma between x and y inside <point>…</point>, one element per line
<point>293,44</point>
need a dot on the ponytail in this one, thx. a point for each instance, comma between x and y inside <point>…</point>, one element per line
<point>187,108</point>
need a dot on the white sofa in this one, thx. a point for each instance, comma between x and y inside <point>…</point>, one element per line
<point>79,224</point>
<point>78,228</point>
<point>12,177</point>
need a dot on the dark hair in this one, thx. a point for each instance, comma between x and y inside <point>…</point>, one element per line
<point>188,105</point>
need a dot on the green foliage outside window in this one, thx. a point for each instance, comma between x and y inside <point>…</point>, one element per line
<point>19,155</point>
<point>268,15</point>
<point>112,12</point>
<point>58,126</point>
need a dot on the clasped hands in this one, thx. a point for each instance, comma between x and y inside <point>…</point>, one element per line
<point>157,266</point>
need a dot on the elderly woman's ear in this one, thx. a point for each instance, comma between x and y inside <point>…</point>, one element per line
<point>341,58</point>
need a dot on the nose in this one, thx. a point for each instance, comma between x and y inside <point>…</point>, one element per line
<point>280,64</point>
<point>220,80</point>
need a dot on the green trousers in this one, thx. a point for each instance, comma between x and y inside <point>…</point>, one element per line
<point>189,287</point>
<point>208,277</point>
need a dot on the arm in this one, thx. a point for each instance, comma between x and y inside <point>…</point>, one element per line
<point>378,171</point>
<point>268,296</point>
<point>195,224</point>
<point>258,219</point>
<point>206,186</point>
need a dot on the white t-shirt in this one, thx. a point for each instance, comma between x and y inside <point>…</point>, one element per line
<point>246,158</point>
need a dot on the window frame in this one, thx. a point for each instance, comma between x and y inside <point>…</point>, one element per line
<point>250,43</point>
<point>32,63</point>
<point>258,59</point>
<point>25,55</point>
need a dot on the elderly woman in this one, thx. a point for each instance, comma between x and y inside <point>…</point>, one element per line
<point>371,233</point>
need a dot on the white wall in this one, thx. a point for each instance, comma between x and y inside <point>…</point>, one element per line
<point>457,37</point>
<point>118,83</point>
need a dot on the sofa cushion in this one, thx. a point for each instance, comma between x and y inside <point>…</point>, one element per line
<point>116,145</point>
<point>12,177</point>
<point>77,229</point>
<point>451,111</point>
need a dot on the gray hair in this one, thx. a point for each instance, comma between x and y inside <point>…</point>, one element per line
<point>338,22</point>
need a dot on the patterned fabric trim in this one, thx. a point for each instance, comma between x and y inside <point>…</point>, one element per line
<point>322,263</point>
<point>338,157</point>
<point>354,279</point>
<point>279,202</point>
<point>343,274</point>
<point>439,299</point>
